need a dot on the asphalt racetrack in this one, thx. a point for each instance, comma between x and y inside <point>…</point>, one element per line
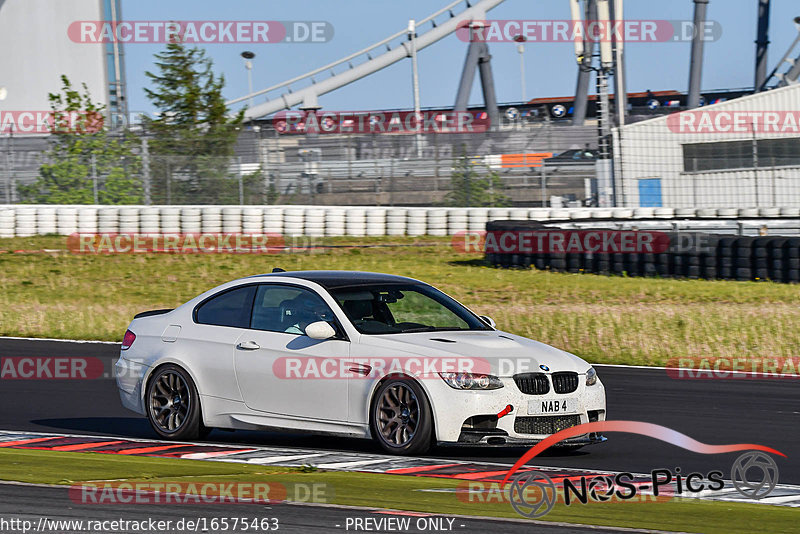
<point>738,410</point>
<point>26,503</point>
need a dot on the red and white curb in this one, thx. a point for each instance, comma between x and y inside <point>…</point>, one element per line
<point>487,472</point>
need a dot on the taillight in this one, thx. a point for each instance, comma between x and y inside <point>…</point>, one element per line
<point>128,340</point>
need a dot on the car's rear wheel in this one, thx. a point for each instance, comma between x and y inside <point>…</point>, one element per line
<point>401,419</point>
<point>173,405</point>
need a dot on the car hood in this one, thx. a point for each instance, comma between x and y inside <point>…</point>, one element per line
<point>500,353</point>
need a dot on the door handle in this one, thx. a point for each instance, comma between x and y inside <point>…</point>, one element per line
<point>248,345</point>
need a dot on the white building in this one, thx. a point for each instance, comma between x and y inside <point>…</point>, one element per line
<point>740,153</point>
<point>37,50</point>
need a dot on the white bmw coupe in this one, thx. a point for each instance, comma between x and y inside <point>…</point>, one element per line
<point>350,353</point>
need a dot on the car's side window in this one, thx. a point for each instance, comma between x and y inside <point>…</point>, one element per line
<point>289,309</point>
<point>231,308</point>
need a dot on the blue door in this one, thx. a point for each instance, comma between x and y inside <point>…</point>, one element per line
<point>650,193</point>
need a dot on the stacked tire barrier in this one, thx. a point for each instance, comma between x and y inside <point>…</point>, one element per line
<point>318,221</point>
<point>690,255</point>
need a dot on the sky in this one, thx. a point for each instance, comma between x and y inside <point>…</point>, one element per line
<point>550,67</point>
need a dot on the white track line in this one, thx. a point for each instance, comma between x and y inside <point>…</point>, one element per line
<point>81,341</point>
<point>358,463</point>
<point>275,459</point>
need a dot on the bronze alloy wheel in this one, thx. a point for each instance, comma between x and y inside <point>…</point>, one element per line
<point>401,417</point>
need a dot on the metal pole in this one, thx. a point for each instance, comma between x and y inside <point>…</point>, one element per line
<point>241,182</point>
<point>412,35</point>
<point>620,81</point>
<point>436,156</point>
<point>605,178</point>
<point>487,85</point>
<point>249,66</point>
<point>762,44</point>
<point>146,171</point>
<point>755,161</point>
<point>8,170</point>
<point>774,185</point>
<point>120,97</point>
<point>543,177</point>
<point>94,178</point>
<point>584,70</point>
<point>521,50</point>
<point>169,185</point>
<point>698,44</point>
<point>467,77</point>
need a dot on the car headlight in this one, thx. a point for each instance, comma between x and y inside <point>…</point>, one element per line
<point>471,381</point>
<point>591,377</point>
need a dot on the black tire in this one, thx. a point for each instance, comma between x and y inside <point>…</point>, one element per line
<point>403,437</point>
<point>558,265</point>
<point>169,389</point>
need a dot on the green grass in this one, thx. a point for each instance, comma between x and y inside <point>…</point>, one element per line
<point>388,491</point>
<point>603,319</point>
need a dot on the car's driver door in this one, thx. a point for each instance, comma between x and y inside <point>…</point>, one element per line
<point>282,371</point>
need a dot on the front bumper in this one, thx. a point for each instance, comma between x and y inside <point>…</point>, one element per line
<point>453,408</point>
<point>500,439</point>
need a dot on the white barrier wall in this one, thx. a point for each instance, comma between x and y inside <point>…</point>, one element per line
<point>29,220</point>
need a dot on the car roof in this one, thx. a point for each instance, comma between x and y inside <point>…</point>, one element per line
<point>336,279</point>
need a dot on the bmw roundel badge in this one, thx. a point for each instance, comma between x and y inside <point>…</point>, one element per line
<point>544,368</point>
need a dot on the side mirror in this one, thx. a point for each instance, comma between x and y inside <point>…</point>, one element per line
<point>488,320</point>
<point>320,330</point>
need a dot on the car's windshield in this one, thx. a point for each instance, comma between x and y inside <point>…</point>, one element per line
<point>397,309</point>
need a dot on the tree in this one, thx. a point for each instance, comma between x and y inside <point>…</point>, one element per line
<point>80,149</point>
<point>193,135</point>
<point>469,189</point>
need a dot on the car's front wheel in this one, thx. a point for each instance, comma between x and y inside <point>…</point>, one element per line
<point>173,405</point>
<point>401,419</point>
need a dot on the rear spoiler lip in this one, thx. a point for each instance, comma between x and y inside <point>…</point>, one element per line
<point>151,313</point>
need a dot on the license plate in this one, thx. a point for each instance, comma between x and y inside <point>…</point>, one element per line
<point>552,406</point>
